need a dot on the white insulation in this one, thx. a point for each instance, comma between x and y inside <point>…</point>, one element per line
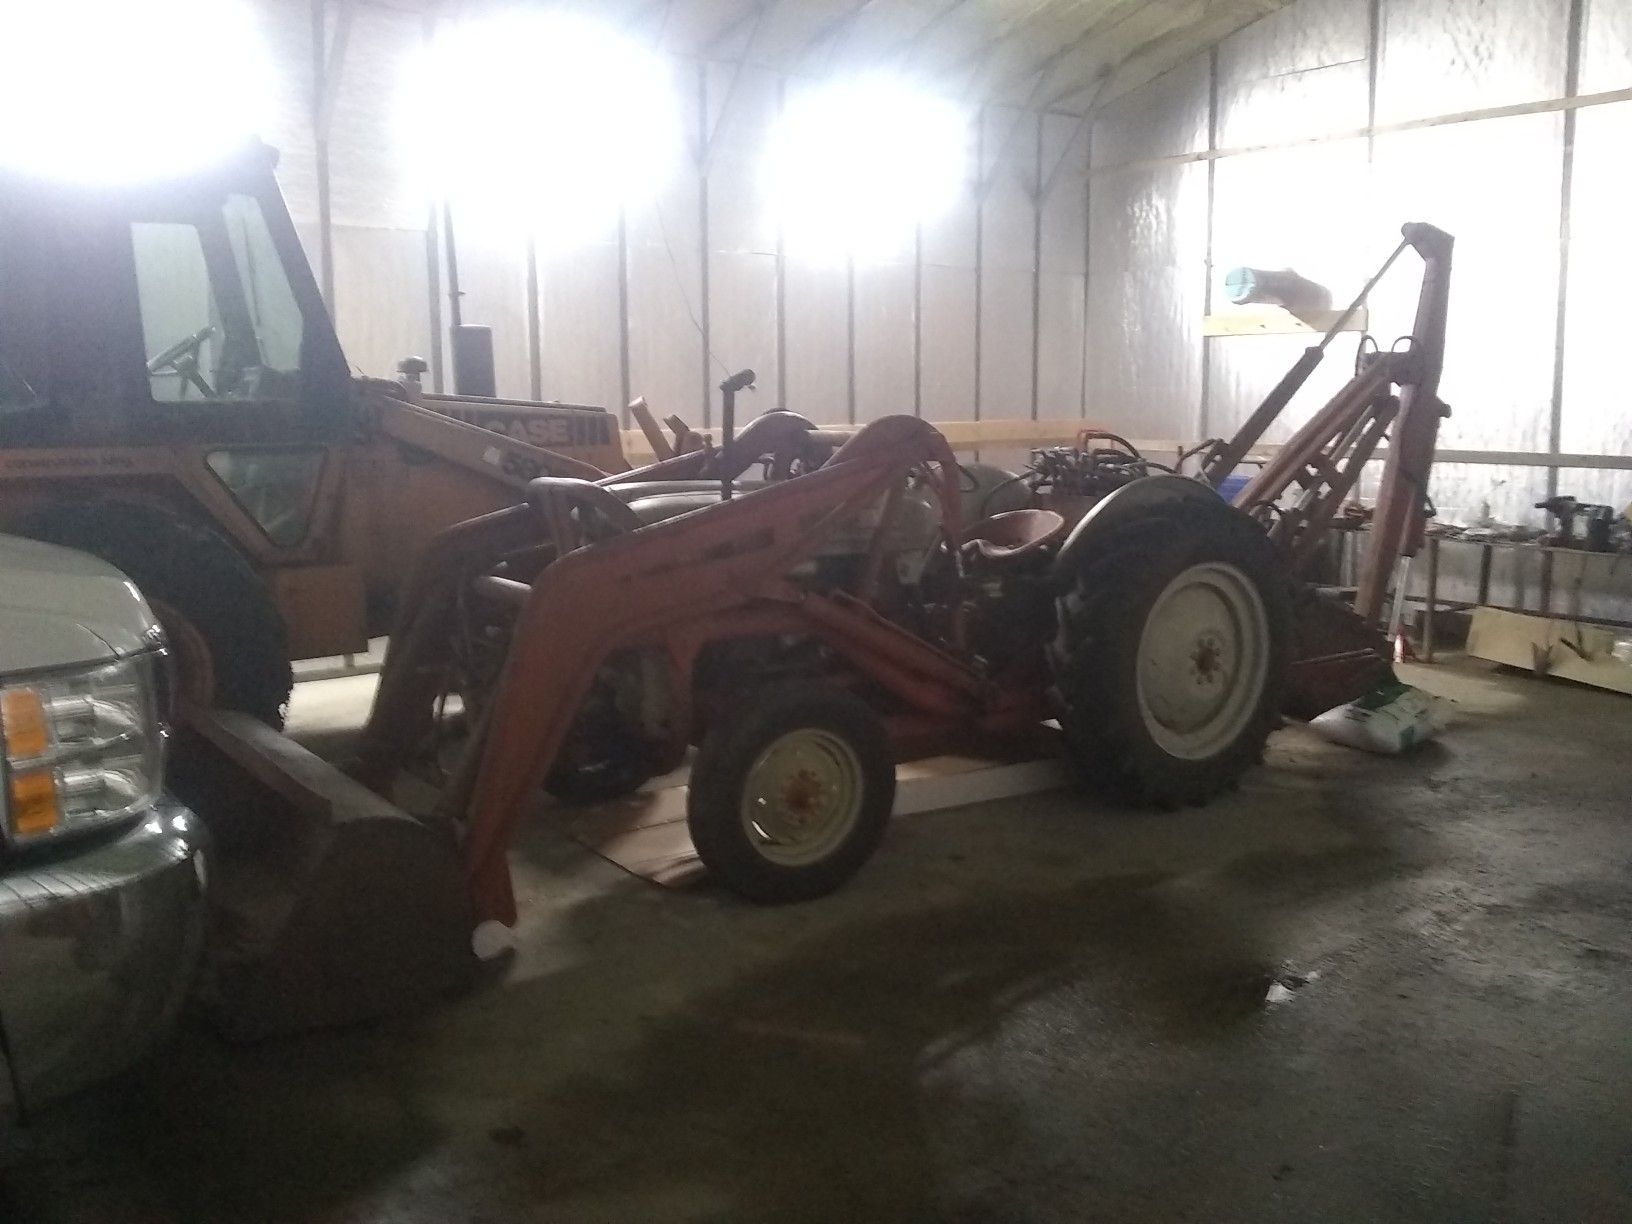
<point>1332,122</point>
<point>982,316</point>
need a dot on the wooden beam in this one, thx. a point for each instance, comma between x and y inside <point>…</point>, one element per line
<point>1278,321</point>
<point>1544,106</point>
<point>1062,431</point>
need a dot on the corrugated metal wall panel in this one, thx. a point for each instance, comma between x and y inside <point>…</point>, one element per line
<point>1504,297</point>
<point>382,309</point>
<point>949,239</point>
<point>1005,345</point>
<point>948,356</point>
<point>818,342</point>
<point>1304,209</point>
<point>665,340</point>
<point>1059,345</point>
<point>286,26</point>
<point>1597,416</point>
<point>739,213</point>
<point>379,173</point>
<point>665,281</point>
<point>1169,115</point>
<point>1465,492</point>
<point>1010,162</point>
<point>1444,56</point>
<point>1298,72</point>
<point>884,358</point>
<point>1009,156</point>
<point>1065,206</point>
<point>1606,45</point>
<point>493,278</point>
<point>743,332</point>
<point>1146,294</point>
<point>579,292</point>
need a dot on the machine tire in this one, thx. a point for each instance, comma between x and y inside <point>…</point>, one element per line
<point>1114,730</point>
<point>621,768</point>
<point>829,735</point>
<point>192,575</point>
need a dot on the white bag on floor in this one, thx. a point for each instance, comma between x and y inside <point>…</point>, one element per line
<point>1390,720</point>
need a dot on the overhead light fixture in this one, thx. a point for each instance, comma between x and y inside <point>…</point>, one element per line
<point>855,165</point>
<point>116,91</point>
<point>544,122</point>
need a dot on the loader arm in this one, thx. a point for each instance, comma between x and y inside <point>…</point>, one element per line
<point>475,448</point>
<point>670,587</point>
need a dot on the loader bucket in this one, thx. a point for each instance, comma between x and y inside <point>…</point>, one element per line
<point>328,905</point>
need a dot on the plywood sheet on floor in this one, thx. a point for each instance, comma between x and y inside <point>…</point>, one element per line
<point>646,835</point>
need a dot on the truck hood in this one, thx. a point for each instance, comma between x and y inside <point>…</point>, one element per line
<point>59,607</point>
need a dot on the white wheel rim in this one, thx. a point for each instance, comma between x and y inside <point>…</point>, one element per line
<point>802,797</point>
<point>1203,661</point>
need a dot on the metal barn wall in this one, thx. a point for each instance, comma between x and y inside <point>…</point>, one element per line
<point>1302,141</point>
<point>981,317</point>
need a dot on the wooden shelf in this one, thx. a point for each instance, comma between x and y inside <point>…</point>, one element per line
<point>1277,321</point>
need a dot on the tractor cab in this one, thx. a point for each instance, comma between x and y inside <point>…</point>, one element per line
<point>165,311</point>
<point>171,313</point>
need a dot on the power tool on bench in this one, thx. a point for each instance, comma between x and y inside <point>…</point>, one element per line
<point>1597,519</point>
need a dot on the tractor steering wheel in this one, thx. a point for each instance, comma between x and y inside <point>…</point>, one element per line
<point>182,358</point>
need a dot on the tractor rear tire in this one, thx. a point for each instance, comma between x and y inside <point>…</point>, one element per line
<point>790,793</point>
<point>216,611</point>
<point>1170,655</point>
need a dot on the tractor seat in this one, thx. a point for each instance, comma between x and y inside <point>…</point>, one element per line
<point>1006,538</point>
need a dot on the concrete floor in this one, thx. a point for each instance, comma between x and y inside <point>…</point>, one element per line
<point>1359,989</point>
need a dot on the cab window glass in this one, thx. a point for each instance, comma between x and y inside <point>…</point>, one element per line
<point>273,311</point>
<point>220,320</point>
<point>180,322</point>
<point>274,486</point>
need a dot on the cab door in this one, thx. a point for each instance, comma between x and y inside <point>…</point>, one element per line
<point>238,361</point>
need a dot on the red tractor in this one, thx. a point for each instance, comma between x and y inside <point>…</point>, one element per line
<point>809,630</point>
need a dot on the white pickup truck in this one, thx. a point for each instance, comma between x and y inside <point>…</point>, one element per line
<point>101,873</point>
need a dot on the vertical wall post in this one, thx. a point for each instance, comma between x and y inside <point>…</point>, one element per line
<point>625,390</point>
<point>1374,55</point>
<point>320,93</point>
<point>918,320</point>
<point>1203,406</point>
<point>1087,256</point>
<point>433,257</point>
<point>980,242</point>
<point>535,322</point>
<point>850,339</point>
<point>450,252</point>
<point>702,236</point>
<point>433,285</point>
<point>1566,194</point>
<point>781,280</point>
<point>1037,266</point>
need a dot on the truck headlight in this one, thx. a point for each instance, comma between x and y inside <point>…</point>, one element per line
<point>83,748</point>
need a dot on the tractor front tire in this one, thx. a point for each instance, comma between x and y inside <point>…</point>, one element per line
<point>228,640</point>
<point>790,793</point>
<point>1170,655</point>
